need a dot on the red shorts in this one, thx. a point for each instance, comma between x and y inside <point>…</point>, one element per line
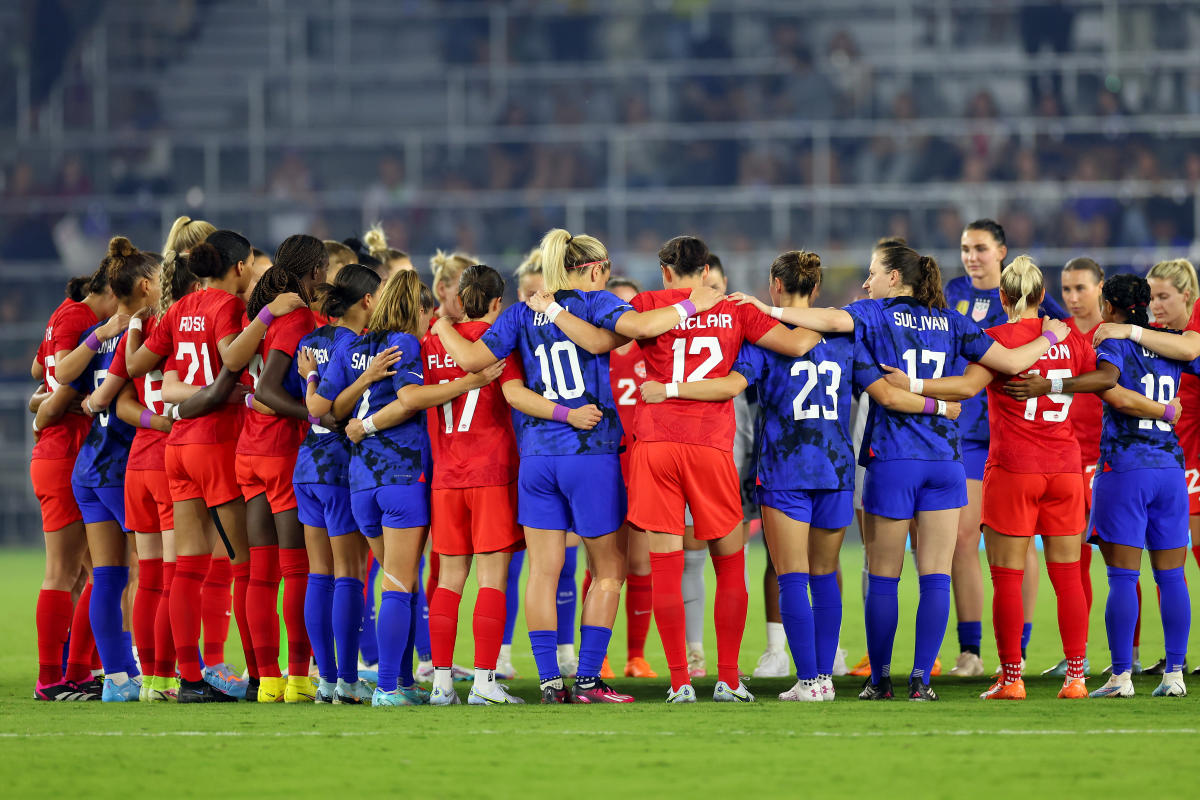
<point>52,484</point>
<point>148,506</point>
<point>202,472</point>
<point>1192,471</point>
<point>270,474</point>
<point>667,477</point>
<point>478,520</point>
<point>1029,503</point>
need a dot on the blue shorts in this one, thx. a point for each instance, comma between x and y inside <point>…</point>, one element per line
<point>101,504</point>
<point>1144,508</point>
<point>831,509</point>
<point>974,457</point>
<point>584,494</point>
<point>901,488</point>
<point>328,507</point>
<point>401,505</point>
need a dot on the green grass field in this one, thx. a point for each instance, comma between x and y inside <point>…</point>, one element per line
<point>958,747</point>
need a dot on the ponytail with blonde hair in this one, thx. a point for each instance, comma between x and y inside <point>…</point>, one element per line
<point>375,240</point>
<point>185,234</point>
<point>447,267</point>
<point>400,304</point>
<point>1022,284</point>
<point>1181,274</point>
<point>562,252</point>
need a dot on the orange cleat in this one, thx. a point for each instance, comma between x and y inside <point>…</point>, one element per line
<point>637,667</point>
<point>1073,689</point>
<point>1005,691</point>
<point>937,668</point>
<point>606,672</point>
<point>863,667</point>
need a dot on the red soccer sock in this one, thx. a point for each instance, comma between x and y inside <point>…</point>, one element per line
<point>1008,617</point>
<point>667,569</point>
<point>262,609</point>
<point>587,586</point>
<point>214,609</point>
<point>487,626</point>
<point>145,608</point>
<point>185,613</point>
<point>1085,574</point>
<point>241,582</point>
<point>729,614</point>
<point>1137,628</point>
<point>53,621</point>
<point>1072,608</point>
<point>443,625</point>
<point>435,571</point>
<point>293,566</point>
<point>164,643</point>
<point>79,652</point>
<point>639,601</point>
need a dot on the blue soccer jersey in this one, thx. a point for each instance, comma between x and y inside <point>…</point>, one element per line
<point>559,370</point>
<point>982,306</point>
<point>394,455</point>
<point>925,343</point>
<point>324,456</point>
<point>105,452</point>
<point>803,431</point>
<point>1129,442</point>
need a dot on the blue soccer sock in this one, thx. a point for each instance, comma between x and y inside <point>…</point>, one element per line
<point>108,584</point>
<point>368,638</point>
<point>827,619</point>
<point>545,654</point>
<point>395,627</point>
<point>970,637</point>
<point>933,612</point>
<point>422,642</point>
<point>127,647</point>
<point>882,614</point>
<point>512,595</point>
<point>318,621</point>
<point>566,597</point>
<point>406,677</point>
<point>1176,608</point>
<point>798,622</point>
<point>1026,635</point>
<point>347,611</point>
<point>1120,615</point>
<point>593,647</point>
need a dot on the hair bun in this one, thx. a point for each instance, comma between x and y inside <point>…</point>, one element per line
<point>121,247</point>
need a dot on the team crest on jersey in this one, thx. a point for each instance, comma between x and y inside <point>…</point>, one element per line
<point>980,309</point>
<point>639,369</point>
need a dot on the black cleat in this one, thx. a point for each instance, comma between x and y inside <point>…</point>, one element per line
<point>876,691</point>
<point>552,695</point>
<point>1157,668</point>
<point>202,692</point>
<point>251,691</point>
<point>920,691</point>
<point>65,692</point>
<point>93,685</point>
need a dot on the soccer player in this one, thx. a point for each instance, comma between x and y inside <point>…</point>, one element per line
<point>914,467</point>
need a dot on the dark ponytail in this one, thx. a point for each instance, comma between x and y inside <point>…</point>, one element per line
<point>919,273</point>
<point>799,271</point>
<point>97,282</point>
<point>77,288</point>
<point>352,284</point>
<point>478,286</point>
<point>218,253</point>
<point>1130,295</point>
<point>296,260</point>
<point>685,255</point>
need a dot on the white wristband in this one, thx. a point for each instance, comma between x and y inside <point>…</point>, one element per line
<point>941,408</point>
<point>1056,385</point>
<point>135,324</point>
<point>552,311</point>
<point>35,427</point>
<point>776,312</point>
<point>681,311</point>
<point>916,385</point>
<point>172,412</point>
<point>87,401</point>
<point>1135,333</point>
<point>672,390</point>
<point>369,426</point>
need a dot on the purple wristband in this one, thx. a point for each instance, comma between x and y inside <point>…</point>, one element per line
<point>930,406</point>
<point>689,307</point>
<point>1050,337</point>
<point>1168,413</point>
<point>145,417</point>
<point>560,413</point>
<point>92,341</point>
<point>313,420</point>
<point>250,400</point>
<point>265,316</point>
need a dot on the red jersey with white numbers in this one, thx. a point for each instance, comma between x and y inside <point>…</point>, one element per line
<point>267,434</point>
<point>149,446</point>
<point>1188,429</point>
<point>472,435</point>
<point>63,438</point>
<point>627,372</point>
<point>703,346</point>
<point>1087,410</point>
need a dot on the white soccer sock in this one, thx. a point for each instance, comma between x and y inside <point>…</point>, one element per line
<point>484,678</point>
<point>505,652</point>
<point>118,678</point>
<point>776,638</point>
<point>566,651</point>
<point>443,678</point>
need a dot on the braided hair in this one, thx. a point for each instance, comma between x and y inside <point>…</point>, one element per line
<point>1130,295</point>
<point>297,261</point>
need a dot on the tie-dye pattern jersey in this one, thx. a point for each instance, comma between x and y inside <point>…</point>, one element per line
<point>105,452</point>
<point>324,455</point>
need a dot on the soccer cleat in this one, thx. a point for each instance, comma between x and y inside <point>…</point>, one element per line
<point>352,694</point>
<point>443,697</point>
<point>94,685</point>
<point>271,690</point>
<point>252,685</point>
<point>809,691</point>
<point>223,678</point>
<point>202,692</point>
<point>637,667</point>
<point>723,693</point>
<point>505,670</point>
<point>936,671</point>
<point>1059,670</point>
<point>392,698</point>
<point>417,695</point>
<point>65,692</point>
<point>1157,668</point>
<point>684,694</point>
<point>424,671</point>
<point>162,690</point>
<point>368,672</point>
<point>1196,671</point>
<point>877,691</point>
<point>598,692</point>
<point>1073,689</point>
<point>920,691</point>
<point>493,694</point>
<point>552,695</point>
<point>606,671</point>
<point>1171,686</point>
<point>568,664</point>
<point>326,693</point>
<point>1005,691</point>
<point>828,692</point>
<point>129,691</point>
<point>968,665</point>
<point>299,690</point>
<point>839,663</point>
<point>696,668</point>
<point>461,673</point>
<point>144,691</point>
<point>863,668</point>
<point>1117,686</point>
<point>772,664</point>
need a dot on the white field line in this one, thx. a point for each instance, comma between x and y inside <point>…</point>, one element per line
<point>772,734</point>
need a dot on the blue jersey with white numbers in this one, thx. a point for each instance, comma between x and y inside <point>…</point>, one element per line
<point>925,343</point>
<point>803,431</point>
<point>394,455</point>
<point>561,371</point>
<point>982,306</point>
<point>1129,442</point>
<point>324,456</point>
<point>102,459</point>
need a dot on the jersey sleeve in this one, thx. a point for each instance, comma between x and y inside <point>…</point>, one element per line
<point>973,343</point>
<point>1107,351</point>
<point>501,337</point>
<point>408,368</point>
<point>159,340</point>
<point>68,331</point>
<point>293,328</point>
<point>755,324</point>
<point>512,371</point>
<point>227,318</point>
<point>641,302</point>
<point>866,371</point>
<point>751,363</point>
<point>335,378</point>
<point>117,365</point>
<point>605,308</point>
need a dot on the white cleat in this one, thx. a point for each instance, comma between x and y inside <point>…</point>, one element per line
<point>491,694</point>
<point>424,672</point>
<point>803,692</point>
<point>685,694</point>
<point>1117,686</point>
<point>773,664</point>
<point>839,663</point>
<point>505,669</point>
<point>722,693</point>
<point>968,665</point>
<point>1171,686</point>
<point>828,693</point>
<point>568,664</point>
<point>443,697</point>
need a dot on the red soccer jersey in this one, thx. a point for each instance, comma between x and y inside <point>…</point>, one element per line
<point>267,434</point>
<point>188,337</point>
<point>1036,436</point>
<point>1087,410</point>
<point>68,322</point>
<point>472,435</point>
<point>1188,429</point>
<point>627,371</point>
<point>705,346</point>
<point>149,445</point>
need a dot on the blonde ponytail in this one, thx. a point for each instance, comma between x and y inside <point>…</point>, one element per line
<point>560,252</point>
<point>1022,283</point>
<point>1181,274</point>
